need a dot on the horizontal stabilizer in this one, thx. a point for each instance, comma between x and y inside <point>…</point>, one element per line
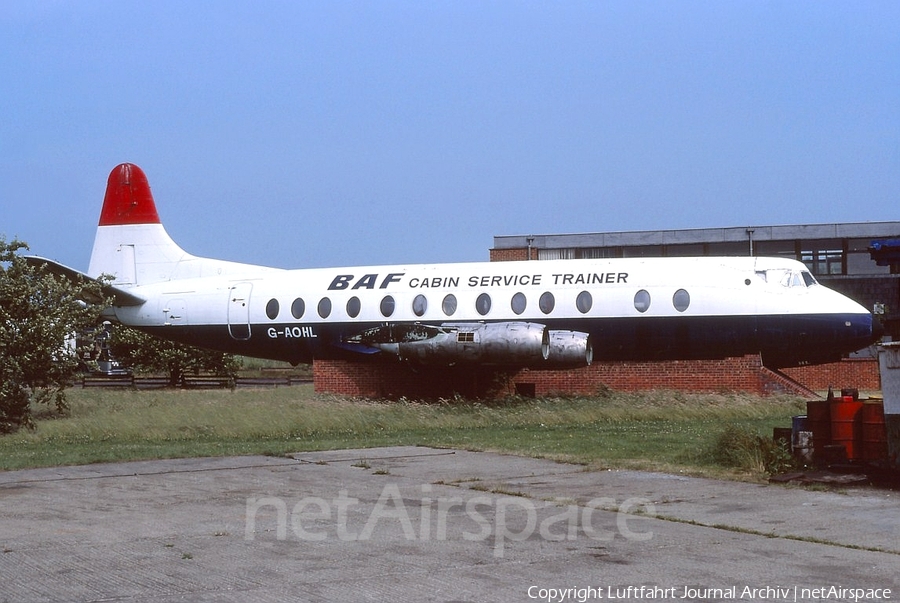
<point>122,297</point>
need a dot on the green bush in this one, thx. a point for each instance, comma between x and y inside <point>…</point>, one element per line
<point>742,448</point>
<point>39,312</point>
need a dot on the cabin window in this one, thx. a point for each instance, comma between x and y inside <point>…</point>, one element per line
<point>419,305</point>
<point>449,304</point>
<point>483,304</point>
<point>642,301</point>
<point>584,302</point>
<point>324,308</point>
<point>387,306</point>
<point>681,300</point>
<point>353,307</point>
<point>298,308</point>
<point>272,309</point>
<point>547,302</point>
<point>518,303</point>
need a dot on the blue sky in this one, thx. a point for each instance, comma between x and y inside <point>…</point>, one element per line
<point>300,134</point>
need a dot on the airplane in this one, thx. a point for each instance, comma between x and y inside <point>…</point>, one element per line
<point>537,314</point>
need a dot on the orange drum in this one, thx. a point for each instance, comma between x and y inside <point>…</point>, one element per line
<point>846,426</point>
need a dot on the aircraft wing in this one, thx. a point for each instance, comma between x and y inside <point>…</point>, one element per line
<point>121,296</point>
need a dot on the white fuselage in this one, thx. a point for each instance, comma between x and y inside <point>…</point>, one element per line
<point>532,313</point>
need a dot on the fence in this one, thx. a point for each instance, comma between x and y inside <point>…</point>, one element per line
<point>191,382</point>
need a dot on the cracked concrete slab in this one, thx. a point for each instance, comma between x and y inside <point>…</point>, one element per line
<point>423,524</point>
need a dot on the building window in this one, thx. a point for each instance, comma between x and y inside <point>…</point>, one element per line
<point>593,253</point>
<point>823,262</point>
<point>556,254</point>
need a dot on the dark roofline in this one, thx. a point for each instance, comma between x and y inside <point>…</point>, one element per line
<point>857,230</point>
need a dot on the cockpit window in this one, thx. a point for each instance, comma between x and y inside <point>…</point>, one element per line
<point>790,278</point>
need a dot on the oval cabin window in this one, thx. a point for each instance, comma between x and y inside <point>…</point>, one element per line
<point>449,304</point>
<point>298,308</point>
<point>518,303</point>
<point>642,301</point>
<point>353,307</point>
<point>483,304</point>
<point>547,302</point>
<point>272,309</point>
<point>387,306</point>
<point>419,305</point>
<point>584,302</point>
<point>681,300</point>
<point>324,307</point>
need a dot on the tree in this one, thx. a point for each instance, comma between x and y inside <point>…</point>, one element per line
<point>39,313</point>
<point>146,353</point>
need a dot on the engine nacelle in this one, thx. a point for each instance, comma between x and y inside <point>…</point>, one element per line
<point>502,344</point>
<point>569,349</point>
<point>514,344</point>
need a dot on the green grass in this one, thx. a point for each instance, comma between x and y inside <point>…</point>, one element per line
<point>658,430</point>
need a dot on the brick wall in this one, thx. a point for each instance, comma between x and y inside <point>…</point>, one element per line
<point>510,255</point>
<point>861,373</point>
<point>744,374</point>
<point>396,380</point>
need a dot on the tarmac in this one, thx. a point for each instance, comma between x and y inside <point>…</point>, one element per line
<point>422,524</point>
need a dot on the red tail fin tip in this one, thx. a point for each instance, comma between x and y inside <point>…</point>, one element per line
<point>128,199</point>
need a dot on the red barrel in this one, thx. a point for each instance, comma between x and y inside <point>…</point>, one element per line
<point>874,432</point>
<point>846,426</point>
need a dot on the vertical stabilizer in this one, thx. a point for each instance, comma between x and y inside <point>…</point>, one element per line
<point>128,199</point>
<point>131,243</point>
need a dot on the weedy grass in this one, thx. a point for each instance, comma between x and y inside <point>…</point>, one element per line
<point>660,430</point>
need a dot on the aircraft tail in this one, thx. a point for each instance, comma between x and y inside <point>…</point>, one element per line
<point>131,243</point>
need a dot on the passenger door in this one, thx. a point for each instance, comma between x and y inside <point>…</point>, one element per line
<point>239,311</point>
